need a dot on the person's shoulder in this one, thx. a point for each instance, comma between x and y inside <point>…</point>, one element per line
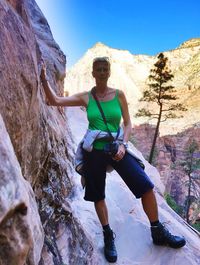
<point>121,93</point>
<point>113,90</point>
<point>83,93</point>
<point>82,97</point>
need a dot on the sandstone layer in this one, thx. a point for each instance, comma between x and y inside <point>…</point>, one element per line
<point>129,72</point>
<point>43,219</point>
<point>41,141</point>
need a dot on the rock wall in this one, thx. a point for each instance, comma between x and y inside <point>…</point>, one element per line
<point>41,214</point>
<point>129,72</point>
<point>170,150</point>
<point>41,141</point>
<point>21,232</point>
<point>173,174</point>
<point>127,218</point>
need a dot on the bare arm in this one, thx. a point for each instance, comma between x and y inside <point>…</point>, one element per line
<point>127,126</point>
<point>126,116</point>
<point>79,99</point>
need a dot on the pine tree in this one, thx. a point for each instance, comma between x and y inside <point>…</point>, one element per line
<point>161,93</point>
<point>191,166</point>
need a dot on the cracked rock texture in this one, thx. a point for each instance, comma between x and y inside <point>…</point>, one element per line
<point>46,232</point>
<point>43,219</point>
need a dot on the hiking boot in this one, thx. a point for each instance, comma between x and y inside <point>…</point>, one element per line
<point>161,236</point>
<point>109,246</point>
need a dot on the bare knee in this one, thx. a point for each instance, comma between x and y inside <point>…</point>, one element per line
<point>100,203</point>
<point>148,193</point>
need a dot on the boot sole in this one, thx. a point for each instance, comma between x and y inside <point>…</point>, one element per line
<point>111,259</point>
<point>182,244</point>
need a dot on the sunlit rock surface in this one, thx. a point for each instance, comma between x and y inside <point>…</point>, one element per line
<point>42,143</point>
<point>133,239</point>
<point>129,72</point>
<point>21,232</point>
<point>37,144</point>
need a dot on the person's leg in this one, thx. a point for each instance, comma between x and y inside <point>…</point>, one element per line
<point>102,212</point>
<point>150,206</point>
<point>95,174</point>
<point>109,247</point>
<point>134,176</point>
<point>142,187</point>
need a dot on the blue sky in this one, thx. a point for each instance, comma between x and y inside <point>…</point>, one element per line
<point>142,27</point>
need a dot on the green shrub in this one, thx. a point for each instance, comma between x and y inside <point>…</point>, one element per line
<point>196,226</point>
<point>172,203</point>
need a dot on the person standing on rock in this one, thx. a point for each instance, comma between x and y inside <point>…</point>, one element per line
<point>114,106</point>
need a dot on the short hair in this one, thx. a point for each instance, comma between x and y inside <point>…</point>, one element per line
<point>101,59</point>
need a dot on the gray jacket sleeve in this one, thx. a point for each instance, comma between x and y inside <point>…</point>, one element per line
<point>87,144</point>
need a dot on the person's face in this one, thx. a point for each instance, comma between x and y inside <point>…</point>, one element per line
<point>101,71</point>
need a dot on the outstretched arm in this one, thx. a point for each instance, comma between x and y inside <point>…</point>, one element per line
<point>79,99</point>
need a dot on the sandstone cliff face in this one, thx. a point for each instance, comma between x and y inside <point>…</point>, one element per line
<point>42,216</point>
<point>170,150</point>
<point>21,232</point>
<point>133,239</point>
<point>130,72</point>
<point>175,148</point>
<point>39,135</point>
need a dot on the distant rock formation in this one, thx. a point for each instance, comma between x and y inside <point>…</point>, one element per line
<point>129,73</point>
<point>169,150</point>
<point>190,43</point>
<point>43,220</point>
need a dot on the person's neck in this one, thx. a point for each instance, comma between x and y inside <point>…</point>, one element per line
<point>101,88</point>
<point>101,92</point>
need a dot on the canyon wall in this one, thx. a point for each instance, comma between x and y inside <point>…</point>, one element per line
<point>43,219</point>
<point>35,212</point>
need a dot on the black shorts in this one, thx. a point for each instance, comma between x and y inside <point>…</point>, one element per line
<point>95,164</point>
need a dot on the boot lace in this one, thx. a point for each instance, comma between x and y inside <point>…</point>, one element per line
<point>166,232</point>
<point>110,240</point>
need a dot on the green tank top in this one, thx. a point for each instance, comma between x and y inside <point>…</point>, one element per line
<point>112,112</point>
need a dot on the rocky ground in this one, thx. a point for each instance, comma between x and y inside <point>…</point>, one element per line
<point>43,219</point>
